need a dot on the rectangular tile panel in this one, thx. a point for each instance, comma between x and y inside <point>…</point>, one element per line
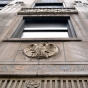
<point>76,51</point>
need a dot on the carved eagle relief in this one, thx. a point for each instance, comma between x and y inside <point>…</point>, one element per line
<point>41,50</point>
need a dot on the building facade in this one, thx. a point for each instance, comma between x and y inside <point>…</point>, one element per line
<point>44,44</point>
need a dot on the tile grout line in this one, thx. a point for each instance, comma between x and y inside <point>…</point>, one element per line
<point>17,52</point>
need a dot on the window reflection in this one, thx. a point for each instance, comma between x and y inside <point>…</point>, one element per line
<point>45,26</point>
<point>45,35</point>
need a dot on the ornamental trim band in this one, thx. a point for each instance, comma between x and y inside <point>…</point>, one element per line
<point>33,11</point>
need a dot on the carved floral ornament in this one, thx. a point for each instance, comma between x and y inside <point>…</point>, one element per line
<point>80,2</point>
<point>20,2</point>
<point>32,84</point>
<point>41,50</point>
<point>28,11</point>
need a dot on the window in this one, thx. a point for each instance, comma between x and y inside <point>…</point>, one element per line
<point>45,27</point>
<point>48,0</point>
<point>2,4</point>
<point>48,5</point>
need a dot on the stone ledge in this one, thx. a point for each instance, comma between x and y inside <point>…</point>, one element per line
<point>27,74</point>
<point>40,39</point>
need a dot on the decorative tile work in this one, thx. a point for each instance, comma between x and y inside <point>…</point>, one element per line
<point>44,82</point>
<point>81,4</point>
<point>41,50</point>
<point>44,68</point>
<point>32,84</point>
<point>34,11</point>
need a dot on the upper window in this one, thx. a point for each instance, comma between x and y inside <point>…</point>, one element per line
<point>48,5</point>
<point>48,0</point>
<point>3,3</point>
<point>45,27</point>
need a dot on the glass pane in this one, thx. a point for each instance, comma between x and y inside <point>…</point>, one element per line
<point>46,26</point>
<point>45,35</point>
<point>62,28</point>
<point>3,2</point>
<point>1,8</point>
<point>48,6</point>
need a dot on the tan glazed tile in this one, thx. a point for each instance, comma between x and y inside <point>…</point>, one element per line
<point>76,51</point>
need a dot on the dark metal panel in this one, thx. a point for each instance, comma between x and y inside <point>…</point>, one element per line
<point>45,82</point>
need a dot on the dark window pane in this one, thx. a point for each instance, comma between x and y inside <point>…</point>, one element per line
<point>48,5</point>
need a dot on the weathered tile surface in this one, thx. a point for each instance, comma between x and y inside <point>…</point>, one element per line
<point>71,60</point>
<point>76,51</point>
<point>8,51</point>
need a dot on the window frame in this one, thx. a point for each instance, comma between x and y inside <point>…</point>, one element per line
<point>3,4</point>
<point>63,4</point>
<point>20,29</point>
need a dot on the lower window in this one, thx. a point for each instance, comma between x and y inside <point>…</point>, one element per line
<point>45,27</point>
